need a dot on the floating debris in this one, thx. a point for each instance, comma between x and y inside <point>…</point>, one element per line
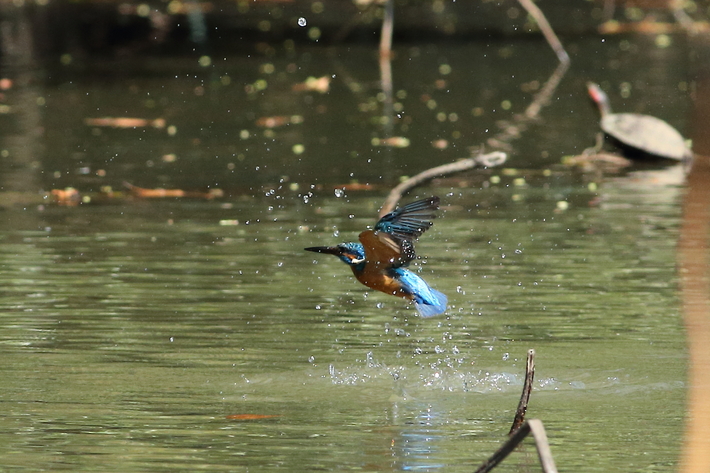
<point>228,223</point>
<point>278,120</point>
<point>125,122</point>
<point>394,142</point>
<point>440,144</point>
<point>313,84</point>
<point>160,193</point>
<point>67,196</point>
<point>354,186</point>
<point>597,161</point>
<point>251,416</point>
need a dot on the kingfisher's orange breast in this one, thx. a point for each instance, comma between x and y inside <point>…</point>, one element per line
<point>374,277</point>
<point>382,252</point>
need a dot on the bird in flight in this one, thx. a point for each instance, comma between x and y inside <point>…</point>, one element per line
<point>380,258</point>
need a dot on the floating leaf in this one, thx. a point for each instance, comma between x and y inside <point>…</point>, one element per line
<point>250,416</point>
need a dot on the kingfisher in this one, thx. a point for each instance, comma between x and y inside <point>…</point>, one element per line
<point>380,258</point>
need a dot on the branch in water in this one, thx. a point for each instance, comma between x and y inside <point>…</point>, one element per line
<point>485,160</point>
<point>525,396</point>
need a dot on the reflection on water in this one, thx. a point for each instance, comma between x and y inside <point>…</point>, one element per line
<point>418,441</point>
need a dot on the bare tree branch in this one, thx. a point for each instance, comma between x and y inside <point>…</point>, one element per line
<point>525,396</point>
<point>546,29</point>
<point>486,160</point>
<point>535,427</point>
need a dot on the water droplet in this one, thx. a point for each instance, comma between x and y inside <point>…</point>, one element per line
<point>318,307</point>
<point>311,359</point>
<point>302,22</point>
<point>339,192</point>
<point>506,356</point>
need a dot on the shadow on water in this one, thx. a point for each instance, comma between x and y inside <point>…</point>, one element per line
<point>134,327</point>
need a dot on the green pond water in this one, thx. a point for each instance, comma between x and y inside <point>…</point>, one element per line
<point>141,335</point>
<point>131,332</point>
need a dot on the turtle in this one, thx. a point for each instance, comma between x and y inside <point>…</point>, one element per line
<point>641,133</point>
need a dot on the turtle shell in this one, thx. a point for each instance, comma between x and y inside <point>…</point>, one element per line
<point>645,133</point>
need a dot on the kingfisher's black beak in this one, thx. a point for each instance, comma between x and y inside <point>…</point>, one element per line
<point>329,250</point>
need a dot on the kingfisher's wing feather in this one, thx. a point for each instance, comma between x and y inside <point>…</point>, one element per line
<point>384,250</point>
<point>410,221</point>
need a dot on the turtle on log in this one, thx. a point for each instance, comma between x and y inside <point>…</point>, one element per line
<point>642,133</point>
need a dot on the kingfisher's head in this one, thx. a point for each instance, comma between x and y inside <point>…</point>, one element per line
<point>351,253</point>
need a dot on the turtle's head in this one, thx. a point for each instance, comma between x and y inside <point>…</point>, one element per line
<point>599,97</point>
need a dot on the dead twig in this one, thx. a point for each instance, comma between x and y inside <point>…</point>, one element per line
<point>535,427</point>
<point>546,30</point>
<point>487,160</point>
<point>522,428</point>
<point>361,17</point>
<point>543,97</point>
<point>510,131</point>
<point>387,29</point>
<point>525,396</point>
<point>385,62</point>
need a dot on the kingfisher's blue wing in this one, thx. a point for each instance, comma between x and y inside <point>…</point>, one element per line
<point>409,222</point>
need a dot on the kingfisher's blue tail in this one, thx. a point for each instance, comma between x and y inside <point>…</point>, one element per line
<point>429,302</point>
<point>434,304</point>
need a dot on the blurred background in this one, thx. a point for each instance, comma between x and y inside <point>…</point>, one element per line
<point>163,165</point>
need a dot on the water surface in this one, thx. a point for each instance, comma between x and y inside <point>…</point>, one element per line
<point>132,329</point>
